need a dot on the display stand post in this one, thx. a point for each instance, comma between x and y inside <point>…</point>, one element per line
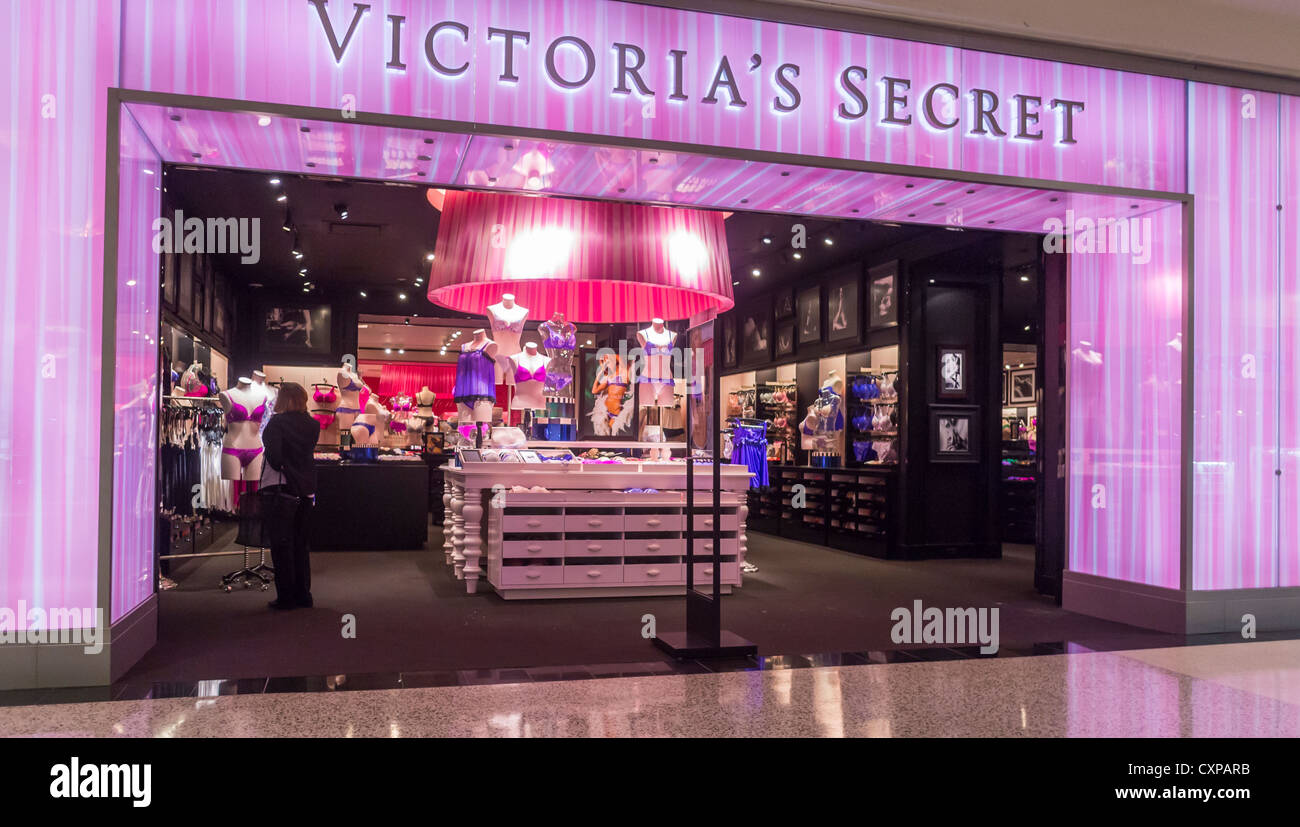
<point>704,636</point>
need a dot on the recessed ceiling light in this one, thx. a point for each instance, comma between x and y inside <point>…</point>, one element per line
<point>1024,278</point>
<point>1022,364</point>
<point>388,350</point>
<point>1008,367</point>
<point>282,197</point>
<point>401,296</point>
<point>363,294</point>
<point>828,241</point>
<point>264,120</point>
<point>1026,327</point>
<point>429,257</point>
<point>735,283</point>
<point>798,256</point>
<point>275,182</point>
<point>401,350</point>
<point>588,341</point>
<point>342,210</point>
<point>767,239</point>
<point>756,272</point>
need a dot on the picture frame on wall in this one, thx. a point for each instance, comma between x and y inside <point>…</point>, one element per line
<point>607,399</point>
<point>219,305</point>
<point>1022,386</point>
<point>295,329</point>
<point>954,433</point>
<point>756,332</point>
<point>843,307</point>
<point>169,262</point>
<point>1006,388</point>
<point>784,339</point>
<point>729,353</point>
<point>808,325</point>
<point>783,305</point>
<point>952,373</point>
<point>882,287</point>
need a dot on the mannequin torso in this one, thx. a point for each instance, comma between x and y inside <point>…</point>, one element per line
<point>655,384</point>
<point>506,320</point>
<point>241,450</point>
<point>529,369</point>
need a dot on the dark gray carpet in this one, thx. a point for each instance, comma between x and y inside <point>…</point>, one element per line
<point>413,615</point>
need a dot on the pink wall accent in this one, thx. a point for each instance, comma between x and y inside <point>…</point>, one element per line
<point>593,261</point>
<point>1128,134</point>
<point>135,389</point>
<point>1125,408</point>
<point>58,58</point>
<point>1238,364</point>
<point>1288,566</point>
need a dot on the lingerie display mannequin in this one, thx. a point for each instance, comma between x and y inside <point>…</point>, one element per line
<point>368,427</point>
<point>402,426</point>
<point>424,408</point>
<point>530,369</point>
<point>506,319</point>
<point>350,392</point>
<point>475,390</point>
<point>823,427</point>
<point>192,383</point>
<point>560,341</point>
<point>323,404</point>
<point>241,449</point>
<point>655,384</point>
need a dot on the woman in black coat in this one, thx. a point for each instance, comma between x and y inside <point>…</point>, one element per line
<point>287,488</point>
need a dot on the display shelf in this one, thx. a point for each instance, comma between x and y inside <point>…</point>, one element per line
<point>848,508</point>
<point>1018,495</point>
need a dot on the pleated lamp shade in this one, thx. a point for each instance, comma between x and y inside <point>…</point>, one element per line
<point>593,261</point>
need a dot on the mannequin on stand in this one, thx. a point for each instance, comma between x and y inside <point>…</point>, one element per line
<point>241,450</point>
<point>424,409</point>
<point>350,402</point>
<point>368,427</point>
<point>506,319</point>
<point>560,341</point>
<point>530,370</point>
<point>655,384</point>
<point>475,390</point>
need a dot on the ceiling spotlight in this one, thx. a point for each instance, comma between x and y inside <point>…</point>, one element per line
<point>287,226</point>
<point>735,284</point>
<point>282,197</point>
<point>767,239</point>
<point>342,210</point>
<point>1022,364</point>
<point>406,321</point>
<point>1024,278</point>
<point>797,256</point>
<point>1026,327</point>
<point>275,182</point>
<point>828,241</point>
<point>388,350</point>
<point>401,350</point>
<point>401,296</point>
<point>756,272</point>
<point>429,257</point>
<point>302,272</point>
<point>363,294</point>
<point>264,120</point>
<point>589,342</point>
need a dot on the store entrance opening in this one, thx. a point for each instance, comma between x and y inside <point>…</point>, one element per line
<point>884,355</point>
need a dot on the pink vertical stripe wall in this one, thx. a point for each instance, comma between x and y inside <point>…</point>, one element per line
<point>135,378</point>
<point>1125,409</point>
<point>1233,153</point>
<point>1288,566</point>
<point>58,60</point>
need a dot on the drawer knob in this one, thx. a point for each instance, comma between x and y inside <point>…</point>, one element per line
<point>709,521</point>
<point>593,573</point>
<point>534,523</point>
<point>654,522</point>
<point>534,548</point>
<point>652,547</point>
<point>532,575</point>
<point>594,523</point>
<point>594,547</point>
<point>708,571</point>
<point>652,572</point>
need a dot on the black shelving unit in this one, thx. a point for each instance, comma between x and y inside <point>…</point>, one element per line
<point>1019,494</point>
<point>853,509</point>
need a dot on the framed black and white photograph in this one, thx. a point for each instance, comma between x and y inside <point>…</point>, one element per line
<point>756,332</point>
<point>729,355</point>
<point>607,407</point>
<point>783,305</point>
<point>296,329</point>
<point>809,322</point>
<point>951,379</point>
<point>1023,386</point>
<point>843,317</point>
<point>784,339</point>
<point>954,433</point>
<point>1006,388</point>
<point>169,265</point>
<point>219,293</point>
<point>882,309</point>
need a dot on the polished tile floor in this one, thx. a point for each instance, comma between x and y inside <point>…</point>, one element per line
<point>1227,690</point>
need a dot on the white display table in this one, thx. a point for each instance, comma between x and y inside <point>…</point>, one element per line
<point>585,537</point>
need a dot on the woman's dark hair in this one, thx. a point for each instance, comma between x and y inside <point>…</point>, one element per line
<point>292,397</point>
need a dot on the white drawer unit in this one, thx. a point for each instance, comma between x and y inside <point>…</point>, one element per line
<point>653,547</point>
<point>590,575</point>
<point>656,523</point>
<point>532,575</point>
<point>729,522</point>
<point>592,523</point>
<point>532,523</point>
<point>532,548</point>
<point>593,547</point>
<point>654,573</point>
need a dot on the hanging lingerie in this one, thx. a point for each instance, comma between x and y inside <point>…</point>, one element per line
<point>324,398</point>
<point>324,419</point>
<point>475,377</point>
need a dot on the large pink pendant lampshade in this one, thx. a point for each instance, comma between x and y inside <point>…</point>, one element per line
<point>593,261</point>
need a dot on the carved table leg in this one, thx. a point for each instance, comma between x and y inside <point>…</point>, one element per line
<point>458,530</point>
<point>473,545</point>
<point>448,522</point>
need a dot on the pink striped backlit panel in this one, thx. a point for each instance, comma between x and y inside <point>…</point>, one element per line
<point>1288,567</point>
<point>593,261</point>
<point>1234,176</point>
<point>1125,409</point>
